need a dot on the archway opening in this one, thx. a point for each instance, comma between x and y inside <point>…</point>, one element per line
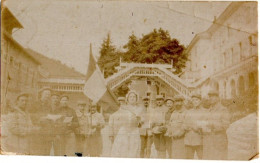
<point>241,85</point>
<point>233,88</point>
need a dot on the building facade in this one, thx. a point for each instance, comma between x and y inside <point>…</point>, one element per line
<point>226,53</point>
<point>19,69</point>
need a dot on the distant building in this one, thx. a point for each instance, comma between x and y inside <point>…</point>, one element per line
<point>26,70</point>
<point>19,69</point>
<point>61,78</point>
<point>227,52</point>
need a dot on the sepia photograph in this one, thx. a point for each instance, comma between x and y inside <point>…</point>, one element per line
<point>130,79</point>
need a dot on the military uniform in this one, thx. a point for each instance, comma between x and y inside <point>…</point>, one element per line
<point>146,133</point>
<point>42,140</point>
<point>69,130</point>
<point>84,132</point>
<point>216,122</point>
<point>214,133</point>
<point>168,138</point>
<point>159,128</point>
<point>177,132</point>
<point>16,132</point>
<point>193,136</point>
<point>95,139</point>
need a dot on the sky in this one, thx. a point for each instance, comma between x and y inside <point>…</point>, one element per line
<point>64,29</point>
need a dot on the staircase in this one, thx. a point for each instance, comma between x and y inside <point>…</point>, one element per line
<point>151,70</point>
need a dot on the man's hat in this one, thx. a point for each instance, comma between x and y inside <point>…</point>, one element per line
<point>121,98</point>
<point>23,94</point>
<point>196,95</point>
<point>213,92</point>
<point>169,98</point>
<point>64,95</point>
<point>159,97</point>
<point>178,98</point>
<point>45,88</point>
<point>81,102</point>
<point>146,98</point>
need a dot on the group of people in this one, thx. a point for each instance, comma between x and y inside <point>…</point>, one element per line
<point>51,127</point>
<point>170,126</point>
<point>175,131</point>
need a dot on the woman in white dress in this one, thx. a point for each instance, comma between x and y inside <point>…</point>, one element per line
<point>127,142</point>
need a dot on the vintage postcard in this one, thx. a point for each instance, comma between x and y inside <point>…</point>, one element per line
<point>130,79</point>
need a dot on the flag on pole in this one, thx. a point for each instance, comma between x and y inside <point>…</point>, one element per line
<point>95,87</point>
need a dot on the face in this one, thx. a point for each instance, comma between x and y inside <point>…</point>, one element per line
<point>46,95</point>
<point>64,101</point>
<point>159,102</point>
<point>132,98</point>
<point>22,102</point>
<point>196,101</point>
<point>169,103</point>
<point>93,110</point>
<point>146,102</point>
<point>178,104</point>
<point>55,100</point>
<point>81,107</point>
<point>213,99</point>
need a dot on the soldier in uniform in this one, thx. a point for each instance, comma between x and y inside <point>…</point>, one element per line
<point>116,119</point>
<point>216,122</point>
<point>168,139</point>
<point>193,136</point>
<point>97,122</point>
<point>55,121</point>
<point>177,128</point>
<point>145,129</point>
<point>159,126</point>
<point>70,127</point>
<point>17,128</point>
<point>42,140</point>
<point>84,128</point>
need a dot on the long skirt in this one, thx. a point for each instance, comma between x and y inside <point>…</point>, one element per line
<point>127,144</point>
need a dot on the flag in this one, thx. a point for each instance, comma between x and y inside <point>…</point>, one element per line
<point>95,87</point>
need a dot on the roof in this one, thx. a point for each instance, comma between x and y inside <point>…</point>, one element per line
<point>16,44</point>
<point>55,68</point>
<point>232,7</point>
<point>9,21</point>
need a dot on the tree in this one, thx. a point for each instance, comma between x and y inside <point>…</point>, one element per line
<point>155,47</point>
<point>109,57</point>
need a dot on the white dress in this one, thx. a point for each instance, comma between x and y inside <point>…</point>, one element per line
<point>127,143</point>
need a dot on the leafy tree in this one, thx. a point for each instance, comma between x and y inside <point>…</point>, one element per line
<point>155,47</point>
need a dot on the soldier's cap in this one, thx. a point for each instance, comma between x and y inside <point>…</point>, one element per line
<point>196,95</point>
<point>178,98</point>
<point>45,88</point>
<point>81,102</point>
<point>64,95</point>
<point>146,98</point>
<point>159,97</point>
<point>23,94</point>
<point>213,92</point>
<point>169,98</point>
<point>121,98</point>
